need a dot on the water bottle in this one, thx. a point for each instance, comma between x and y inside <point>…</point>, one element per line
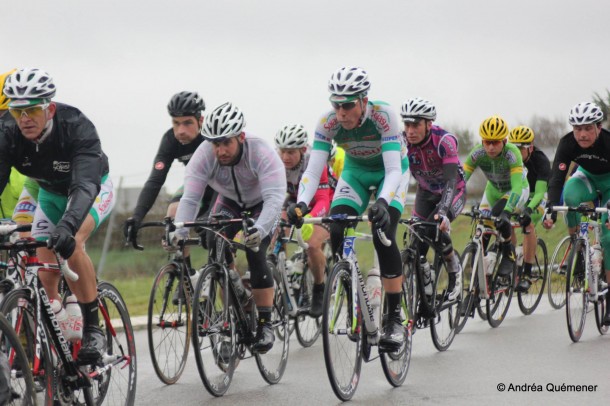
<point>297,273</point>
<point>519,255</point>
<point>373,287</point>
<point>242,294</point>
<point>490,261</point>
<point>425,266</point>
<point>74,332</point>
<point>60,315</point>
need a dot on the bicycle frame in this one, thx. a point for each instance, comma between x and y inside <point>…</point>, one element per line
<point>479,271</point>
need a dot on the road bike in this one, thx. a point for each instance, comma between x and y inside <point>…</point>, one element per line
<point>584,284</point>
<point>54,363</point>
<point>430,306</point>
<point>349,325</point>
<point>480,265</point>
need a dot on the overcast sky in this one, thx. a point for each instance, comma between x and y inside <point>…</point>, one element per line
<point>120,61</point>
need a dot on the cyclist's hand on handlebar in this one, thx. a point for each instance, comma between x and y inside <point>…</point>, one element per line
<point>525,219</point>
<point>172,244</point>
<point>550,217</point>
<point>503,220</point>
<point>62,242</point>
<point>130,228</point>
<point>296,212</point>
<point>378,215</point>
<point>445,224</point>
<point>253,238</point>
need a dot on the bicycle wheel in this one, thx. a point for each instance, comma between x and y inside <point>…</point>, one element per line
<point>213,331</point>
<point>396,364</point>
<point>20,312</point>
<point>19,389</point>
<point>272,264</point>
<point>442,327</point>
<point>168,325</point>
<point>557,273</point>
<point>600,307</point>
<point>577,298</point>
<point>117,385</point>
<point>500,293</point>
<point>470,291</point>
<point>272,364</point>
<point>409,286</point>
<point>528,301</point>
<point>307,328</point>
<point>342,333</point>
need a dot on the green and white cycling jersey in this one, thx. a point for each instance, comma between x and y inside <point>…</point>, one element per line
<point>505,174</point>
<point>375,156</point>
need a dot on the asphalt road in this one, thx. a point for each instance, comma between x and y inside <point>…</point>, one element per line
<point>524,350</point>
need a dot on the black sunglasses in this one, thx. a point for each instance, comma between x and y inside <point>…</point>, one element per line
<point>345,106</point>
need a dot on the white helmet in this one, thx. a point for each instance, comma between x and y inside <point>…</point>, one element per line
<point>291,136</point>
<point>349,81</point>
<point>417,108</point>
<point>29,83</point>
<point>586,113</point>
<point>225,121</point>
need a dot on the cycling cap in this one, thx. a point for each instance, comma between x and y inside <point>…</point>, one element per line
<point>186,104</point>
<point>291,136</point>
<point>225,121</point>
<point>493,128</point>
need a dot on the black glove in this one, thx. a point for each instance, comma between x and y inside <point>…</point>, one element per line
<point>130,228</point>
<point>526,217</point>
<point>503,221</point>
<point>296,217</point>
<point>378,214</point>
<point>62,242</point>
<point>550,214</point>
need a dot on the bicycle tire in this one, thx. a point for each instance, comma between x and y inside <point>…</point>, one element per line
<point>20,387</point>
<point>469,293</point>
<point>168,326</point>
<point>442,327</point>
<point>213,331</point>
<point>601,307</point>
<point>395,365</point>
<point>577,298</point>
<point>272,364</point>
<point>117,385</point>
<point>528,302</point>
<point>500,293</point>
<point>409,286</point>
<point>557,273</point>
<point>20,311</point>
<point>307,328</point>
<point>341,345</point>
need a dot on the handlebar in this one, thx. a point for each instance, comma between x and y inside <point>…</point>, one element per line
<point>6,229</point>
<point>344,218</point>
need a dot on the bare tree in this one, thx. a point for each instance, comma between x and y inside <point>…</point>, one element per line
<point>548,131</point>
<point>466,138</point>
<point>604,104</point>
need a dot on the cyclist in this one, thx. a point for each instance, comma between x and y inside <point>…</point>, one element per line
<point>507,189</point>
<point>291,142</point>
<point>248,175</point>
<point>178,143</point>
<point>588,144</point>
<point>441,190</point>
<point>334,167</point>
<point>59,147</point>
<point>375,155</point>
<point>538,173</point>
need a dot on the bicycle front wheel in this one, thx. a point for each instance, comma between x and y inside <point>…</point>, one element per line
<point>168,325</point>
<point>213,331</point>
<point>528,301</point>
<point>442,326</point>
<point>470,291</point>
<point>500,293</point>
<point>116,386</point>
<point>577,298</point>
<point>272,364</point>
<point>342,333</point>
<point>395,364</point>
<point>557,273</point>
<point>307,328</point>
<point>20,312</point>
<point>19,389</point>
<point>601,307</point>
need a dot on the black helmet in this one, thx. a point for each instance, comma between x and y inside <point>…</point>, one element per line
<point>186,104</point>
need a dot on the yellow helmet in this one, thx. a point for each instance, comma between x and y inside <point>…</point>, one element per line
<point>493,128</point>
<point>3,99</point>
<point>521,135</point>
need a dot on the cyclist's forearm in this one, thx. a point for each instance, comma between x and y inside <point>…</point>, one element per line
<point>539,192</point>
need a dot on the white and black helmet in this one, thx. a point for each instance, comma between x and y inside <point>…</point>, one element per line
<point>29,83</point>
<point>291,136</point>
<point>417,108</point>
<point>225,121</point>
<point>349,81</point>
<point>186,104</point>
<point>586,113</point>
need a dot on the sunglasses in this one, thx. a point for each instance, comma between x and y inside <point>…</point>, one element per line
<point>492,142</point>
<point>31,112</point>
<point>345,106</point>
